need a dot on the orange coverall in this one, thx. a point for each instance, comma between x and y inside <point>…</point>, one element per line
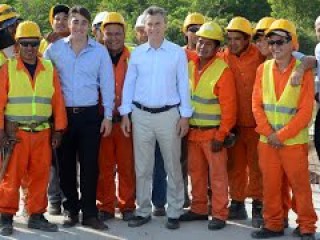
<point>191,54</point>
<point>32,155</point>
<point>243,168</point>
<point>116,153</point>
<point>200,155</point>
<point>291,161</point>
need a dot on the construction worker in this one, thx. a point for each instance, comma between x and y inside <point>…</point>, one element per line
<point>141,36</point>
<point>259,36</point>
<point>29,98</point>
<point>282,114</point>
<point>86,74</point>
<point>116,150</point>
<point>96,26</point>
<point>58,19</point>
<point>213,97</point>
<point>191,25</point>
<point>243,169</point>
<point>9,20</point>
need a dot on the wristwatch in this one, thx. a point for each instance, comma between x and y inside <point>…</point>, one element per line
<point>108,118</point>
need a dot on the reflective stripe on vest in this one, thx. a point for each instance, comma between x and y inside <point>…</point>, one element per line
<point>207,111</point>
<point>280,112</point>
<point>3,58</point>
<point>28,105</point>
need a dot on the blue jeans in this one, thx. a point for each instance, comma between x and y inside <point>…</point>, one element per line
<point>159,183</point>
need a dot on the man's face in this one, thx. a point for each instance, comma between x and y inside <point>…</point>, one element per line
<point>317,28</point>
<point>60,23</point>
<point>155,27</point>
<point>141,35</point>
<point>191,35</point>
<point>280,47</point>
<point>29,48</point>
<point>237,42</point>
<point>78,26</point>
<point>96,31</point>
<point>113,37</point>
<point>206,48</point>
<point>262,45</point>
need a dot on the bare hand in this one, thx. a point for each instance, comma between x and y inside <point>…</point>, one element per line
<point>274,141</point>
<point>216,146</point>
<point>56,139</point>
<point>126,126</point>
<point>106,127</point>
<point>183,127</point>
<point>296,78</point>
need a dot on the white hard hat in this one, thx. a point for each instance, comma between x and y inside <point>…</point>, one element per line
<point>99,18</point>
<point>139,22</point>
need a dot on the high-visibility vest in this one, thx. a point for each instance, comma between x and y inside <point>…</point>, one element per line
<point>280,112</point>
<point>43,46</point>
<point>27,105</point>
<point>206,107</point>
<point>3,58</point>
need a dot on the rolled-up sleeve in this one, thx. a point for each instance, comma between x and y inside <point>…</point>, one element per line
<point>107,82</point>
<point>183,85</point>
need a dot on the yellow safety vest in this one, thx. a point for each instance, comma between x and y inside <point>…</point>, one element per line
<point>280,112</point>
<point>27,105</point>
<point>43,46</point>
<point>3,58</point>
<point>205,103</point>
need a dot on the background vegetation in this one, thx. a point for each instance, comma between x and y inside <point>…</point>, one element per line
<point>302,12</point>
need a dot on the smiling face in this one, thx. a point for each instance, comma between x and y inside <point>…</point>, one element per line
<point>29,49</point>
<point>60,23</point>
<point>280,47</point>
<point>113,36</point>
<point>206,48</point>
<point>141,35</point>
<point>237,42</point>
<point>155,27</point>
<point>262,45</point>
<point>79,26</point>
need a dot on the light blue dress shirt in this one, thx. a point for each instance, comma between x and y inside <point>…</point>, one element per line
<point>83,75</point>
<point>157,77</point>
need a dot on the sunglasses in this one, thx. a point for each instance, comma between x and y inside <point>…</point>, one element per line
<point>278,42</point>
<point>193,29</point>
<point>32,44</point>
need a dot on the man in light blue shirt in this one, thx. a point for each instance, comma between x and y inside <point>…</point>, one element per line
<point>156,91</point>
<point>85,71</point>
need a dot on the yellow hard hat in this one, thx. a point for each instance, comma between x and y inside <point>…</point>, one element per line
<point>283,25</point>
<point>57,9</point>
<point>8,16</point>
<point>240,24</point>
<point>264,24</point>
<point>113,17</point>
<point>193,18</point>
<point>211,30</point>
<point>28,29</point>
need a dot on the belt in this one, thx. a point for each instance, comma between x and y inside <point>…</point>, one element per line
<point>116,119</point>
<point>203,127</point>
<point>31,127</point>
<point>154,110</point>
<point>77,110</point>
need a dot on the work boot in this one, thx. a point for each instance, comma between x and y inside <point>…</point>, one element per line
<point>265,233</point>
<point>38,221</point>
<point>6,226</point>
<point>257,219</point>
<point>70,220</point>
<point>127,215</point>
<point>159,211</point>
<point>172,223</point>
<point>296,232</point>
<point>104,215</point>
<point>54,209</point>
<point>192,216</point>
<point>138,221</point>
<point>237,211</point>
<point>216,224</point>
<point>308,236</point>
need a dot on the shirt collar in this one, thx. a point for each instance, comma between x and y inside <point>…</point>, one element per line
<point>91,42</point>
<point>164,45</point>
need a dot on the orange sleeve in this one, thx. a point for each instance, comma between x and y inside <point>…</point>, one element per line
<point>304,111</point>
<point>58,106</point>
<point>4,82</point>
<point>226,92</point>
<point>263,126</point>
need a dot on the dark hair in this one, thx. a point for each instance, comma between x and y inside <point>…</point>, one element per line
<point>154,10</point>
<point>60,8</point>
<point>80,10</point>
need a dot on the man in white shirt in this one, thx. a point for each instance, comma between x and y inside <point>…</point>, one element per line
<point>156,91</point>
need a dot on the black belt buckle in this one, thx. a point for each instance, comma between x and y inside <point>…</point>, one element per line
<point>76,110</point>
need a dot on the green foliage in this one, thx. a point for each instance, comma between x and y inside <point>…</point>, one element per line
<point>301,12</point>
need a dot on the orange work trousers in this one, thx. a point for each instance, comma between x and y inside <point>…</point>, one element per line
<point>201,162</point>
<point>243,168</point>
<point>31,157</point>
<point>116,154</point>
<point>291,161</point>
